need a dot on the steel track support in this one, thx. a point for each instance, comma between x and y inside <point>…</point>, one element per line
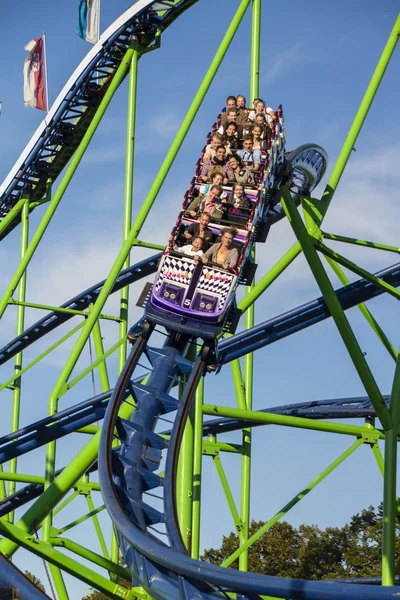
<point>10,216</point>
<point>184,492</point>
<point>197,469</point>
<point>128,195</point>
<point>389,485</point>
<point>16,401</point>
<point>271,522</point>
<point>365,311</point>
<point>336,310</point>
<point>100,354</point>
<point>245,496</point>
<point>66,563</point>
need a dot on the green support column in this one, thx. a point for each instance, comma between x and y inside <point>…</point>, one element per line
<point>336,309</point>
<point>72,167</point>
<point>128,196</point>
<point>389,485</point>
<point>197,469</point>
<point>59,582</point>
<point>99,349</point>
<point>249,358</point>
<point>16,401</point>
<point>184,486</point>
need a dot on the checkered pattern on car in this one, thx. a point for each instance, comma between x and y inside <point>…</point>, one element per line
<point>216,282</point>
<point>175,269</point>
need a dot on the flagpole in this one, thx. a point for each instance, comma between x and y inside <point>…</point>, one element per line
<point>45,70</point>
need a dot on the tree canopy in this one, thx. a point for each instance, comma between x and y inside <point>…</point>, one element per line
<point>308,552</point>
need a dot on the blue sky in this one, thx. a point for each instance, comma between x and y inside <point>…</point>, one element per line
<point>316,59</point>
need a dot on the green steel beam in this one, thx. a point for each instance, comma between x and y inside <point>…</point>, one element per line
<point>357,242</point>
<point>149,245</point>
<point>128,197</point>
<point>389,508</point>
<point>228,494</point>
<point>14,212</point>
<point>348,264</point>
<point>16,400</point>
<point>270,277</point>
<point>256,536</point>
<point>253,416</point>
<point>41,356</point>
<point>70,171</point>
<point>90,368</point>
<point>99,349</point>
<point>69,311</point>
<point>211,448</point>
<point>336,309</point>
<point>93,557</point>
<point>80,520</point>
<point>389,485</point>
<point>197,469</point>
<point>316,212</point>
<point>97,526</point>
<point>67,501</point>
<point>21,478</point>
<point>45,551</point>
<point>59,582</point>
<point>365,312</point>
<point>184,485</point>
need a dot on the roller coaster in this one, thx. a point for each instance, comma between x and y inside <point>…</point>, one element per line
<point>150,477</point>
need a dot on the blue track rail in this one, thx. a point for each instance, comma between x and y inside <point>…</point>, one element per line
<point>14,584</point>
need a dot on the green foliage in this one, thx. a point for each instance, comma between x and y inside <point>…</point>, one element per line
<point>35,580</point>
<point>308,552</point>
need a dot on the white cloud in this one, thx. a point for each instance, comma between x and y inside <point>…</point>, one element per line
<point>279,64</point>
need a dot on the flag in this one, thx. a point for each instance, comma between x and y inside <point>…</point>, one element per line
<point>89,20</point>
<point>35,76</point>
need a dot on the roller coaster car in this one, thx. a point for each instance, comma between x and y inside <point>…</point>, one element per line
<point>191,297</point>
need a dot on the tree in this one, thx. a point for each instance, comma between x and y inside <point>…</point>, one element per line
<point>309,552</point>
<point>35,580</point>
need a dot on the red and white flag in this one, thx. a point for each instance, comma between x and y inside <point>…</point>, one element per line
<point>35,76</point>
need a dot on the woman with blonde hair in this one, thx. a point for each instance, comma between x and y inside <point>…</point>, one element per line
<point>222,253</point>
